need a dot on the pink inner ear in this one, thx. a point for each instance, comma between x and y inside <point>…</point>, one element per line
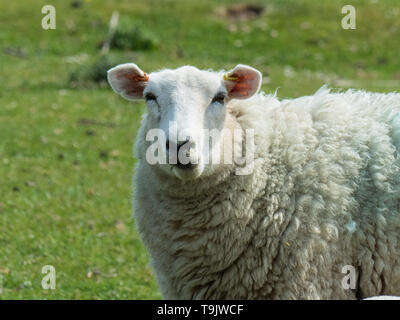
<point>132,76</point>
<point>133,83</point>
<point>242,84</point>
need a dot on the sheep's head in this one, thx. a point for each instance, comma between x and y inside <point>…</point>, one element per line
<point>186,107</point>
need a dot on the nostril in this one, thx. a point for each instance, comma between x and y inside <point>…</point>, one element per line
<point>186,144</point>
<point>179,153</point>
<point>183,149</point>
<point>168,144</point>
<point>188,166</point>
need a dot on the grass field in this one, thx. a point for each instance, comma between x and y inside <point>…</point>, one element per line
<point>66,151</point>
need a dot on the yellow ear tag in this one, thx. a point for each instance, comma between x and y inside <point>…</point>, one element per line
<point>228,78</point>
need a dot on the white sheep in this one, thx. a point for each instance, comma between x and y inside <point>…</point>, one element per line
<point>323,193</point>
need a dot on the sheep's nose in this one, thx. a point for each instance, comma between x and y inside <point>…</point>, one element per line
<point>182,148</point>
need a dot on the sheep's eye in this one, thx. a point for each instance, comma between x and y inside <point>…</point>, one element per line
<point>149,96</point>
<point>219,97</point>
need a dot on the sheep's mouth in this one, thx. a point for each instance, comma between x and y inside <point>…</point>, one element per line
<point>186,172</point>
<point>189,166</point>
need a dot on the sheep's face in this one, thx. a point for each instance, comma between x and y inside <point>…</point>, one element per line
<point>187,113</point>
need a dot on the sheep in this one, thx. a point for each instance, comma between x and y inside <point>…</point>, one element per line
<point>323,193</point>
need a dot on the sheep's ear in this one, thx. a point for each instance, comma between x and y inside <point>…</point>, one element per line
<point>128,80</point>
<point>242,82</point>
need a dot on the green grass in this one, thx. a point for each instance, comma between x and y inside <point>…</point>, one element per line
<point>65,184</point>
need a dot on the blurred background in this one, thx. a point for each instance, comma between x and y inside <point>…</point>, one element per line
<point>66,139</point>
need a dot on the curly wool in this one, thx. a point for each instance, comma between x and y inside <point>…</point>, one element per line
<point>324,193</point>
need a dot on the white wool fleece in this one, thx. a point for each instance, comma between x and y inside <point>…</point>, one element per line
<point>324,193</point>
